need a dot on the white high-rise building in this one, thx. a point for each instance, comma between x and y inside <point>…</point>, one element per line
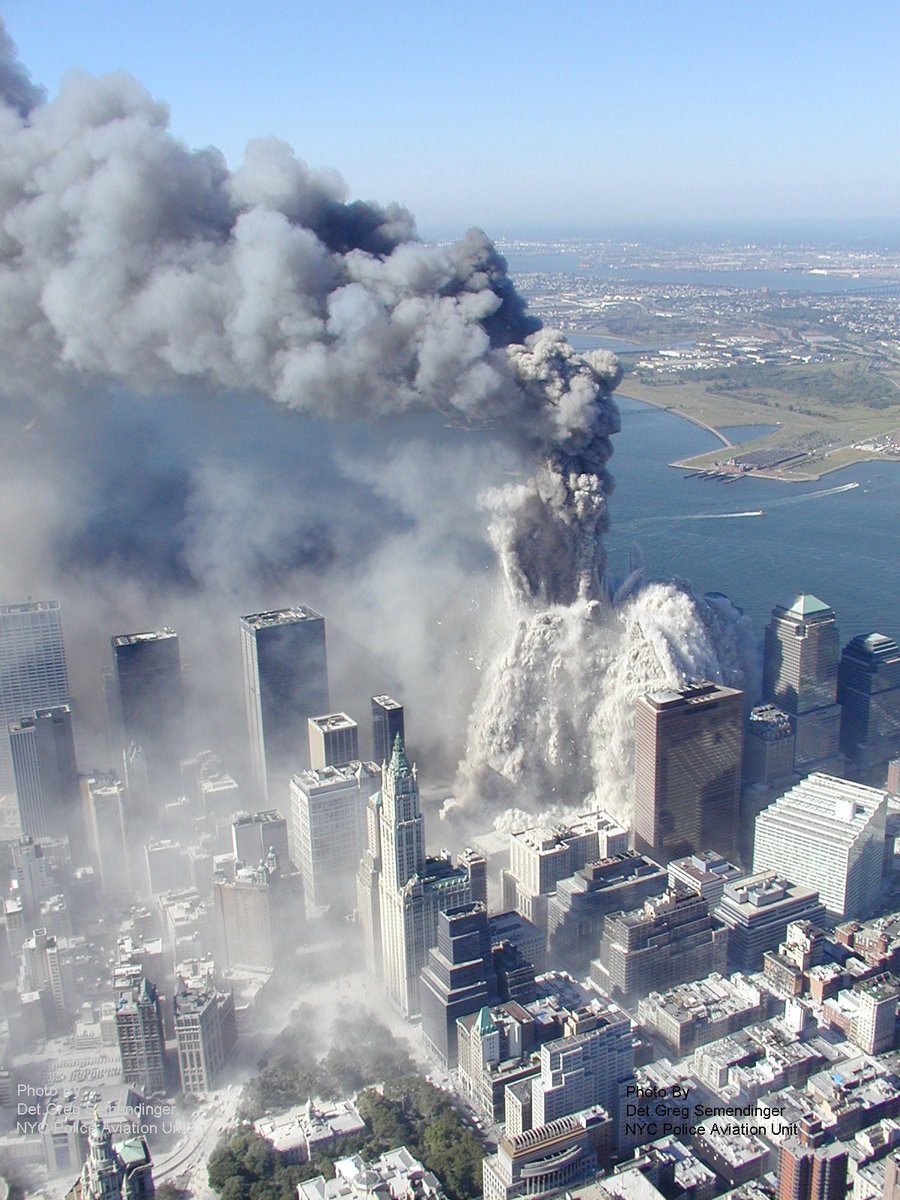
<point>826,833</point>
<point>328,831</point>
<point>32,669</point>
<point>590,1065</point>
<point>401,892</point>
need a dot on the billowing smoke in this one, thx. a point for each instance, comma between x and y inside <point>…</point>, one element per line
<point>552,728</point>
<point>133,267</point>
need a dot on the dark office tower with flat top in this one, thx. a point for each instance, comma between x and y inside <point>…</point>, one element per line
<point>687,771</point>
<point>151,705</point>
<point>387,722</point>
<point>32,669</point>
<point>286,683</point>
<point>869,694</point>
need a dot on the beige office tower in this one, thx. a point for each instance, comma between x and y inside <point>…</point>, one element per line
<point>800,674</point>
<point>107,818</point>
<point>333,741</point>
<point>205,1032</point>
<point>687,771</point>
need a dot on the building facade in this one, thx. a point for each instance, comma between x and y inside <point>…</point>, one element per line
<point>139,1032</point>
<point>687,771</point>
<point>42,746</point>
<point>826,833</point>
<point>328,831</point>
<point>205,1033</point>
<point>869,695</point>
<point>458,978</point>
<point>333,741</point>
<point>411,889</point>
<point>32,669</point>
<point>387,722</point>
<point>671,939</point>
<point>800,671</point>
<point>285,683</point>
<point>151,707</point>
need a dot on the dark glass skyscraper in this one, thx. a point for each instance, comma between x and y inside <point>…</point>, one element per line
<point>286,683</point>
<point>687,771</point>
<point>869,694</point>
<point>387,722</point>
<point>151,704</point>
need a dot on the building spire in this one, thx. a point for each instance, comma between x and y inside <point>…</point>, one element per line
<point>399,761</point>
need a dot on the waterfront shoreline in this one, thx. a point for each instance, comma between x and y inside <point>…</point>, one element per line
<point>693,463</point>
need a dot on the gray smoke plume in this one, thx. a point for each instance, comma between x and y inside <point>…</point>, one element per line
<point>131,266</point>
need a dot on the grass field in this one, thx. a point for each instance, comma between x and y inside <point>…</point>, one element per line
<point>821,409</point>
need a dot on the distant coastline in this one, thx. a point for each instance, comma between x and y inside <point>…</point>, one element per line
<point>699,462</point>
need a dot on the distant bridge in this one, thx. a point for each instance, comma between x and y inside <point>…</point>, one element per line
<point>881,289</point>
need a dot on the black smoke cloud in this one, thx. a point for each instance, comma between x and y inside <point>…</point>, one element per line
<point>234,391</point>
<point>191,362</point>
<point>126,257</point>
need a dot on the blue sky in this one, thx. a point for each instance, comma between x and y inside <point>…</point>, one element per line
<point>524,116</point>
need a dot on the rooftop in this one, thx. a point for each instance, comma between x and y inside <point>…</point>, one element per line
<point>280,616</point>
<point>331,778</point>
<point>30,606</point>
<point>824,808</point>
<point>807,605</point>
<point>156,635</point>
<point>695,694</point>
<point>330,721</point>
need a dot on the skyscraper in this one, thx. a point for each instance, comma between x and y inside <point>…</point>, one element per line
<point>41,971</point>
<point>205,1032</point>
<point>591,1064</point>
<point>458,978</point>
<point>286,682</point>
<point>333,741</point>
<point>687,771</point>
<point>32,669</point>
<point>328,831</point>
<point>800,670</point>
<point>411,890</point>
<point>151,705</point>
<point>257,914</point>
<point>387,722</point>
<point>869,694</point>
<point>769,746</point>
<point>139,1031</point>
<point>829,834</point>
<point>107,818</point>
<point>43,756</point>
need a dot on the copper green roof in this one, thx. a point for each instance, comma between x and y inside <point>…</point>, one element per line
<point>484,1023</point>
<point>399,761</point>
<point>807,605</point>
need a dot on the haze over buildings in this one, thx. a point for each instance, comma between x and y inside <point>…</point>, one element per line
<point>446,508</point>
